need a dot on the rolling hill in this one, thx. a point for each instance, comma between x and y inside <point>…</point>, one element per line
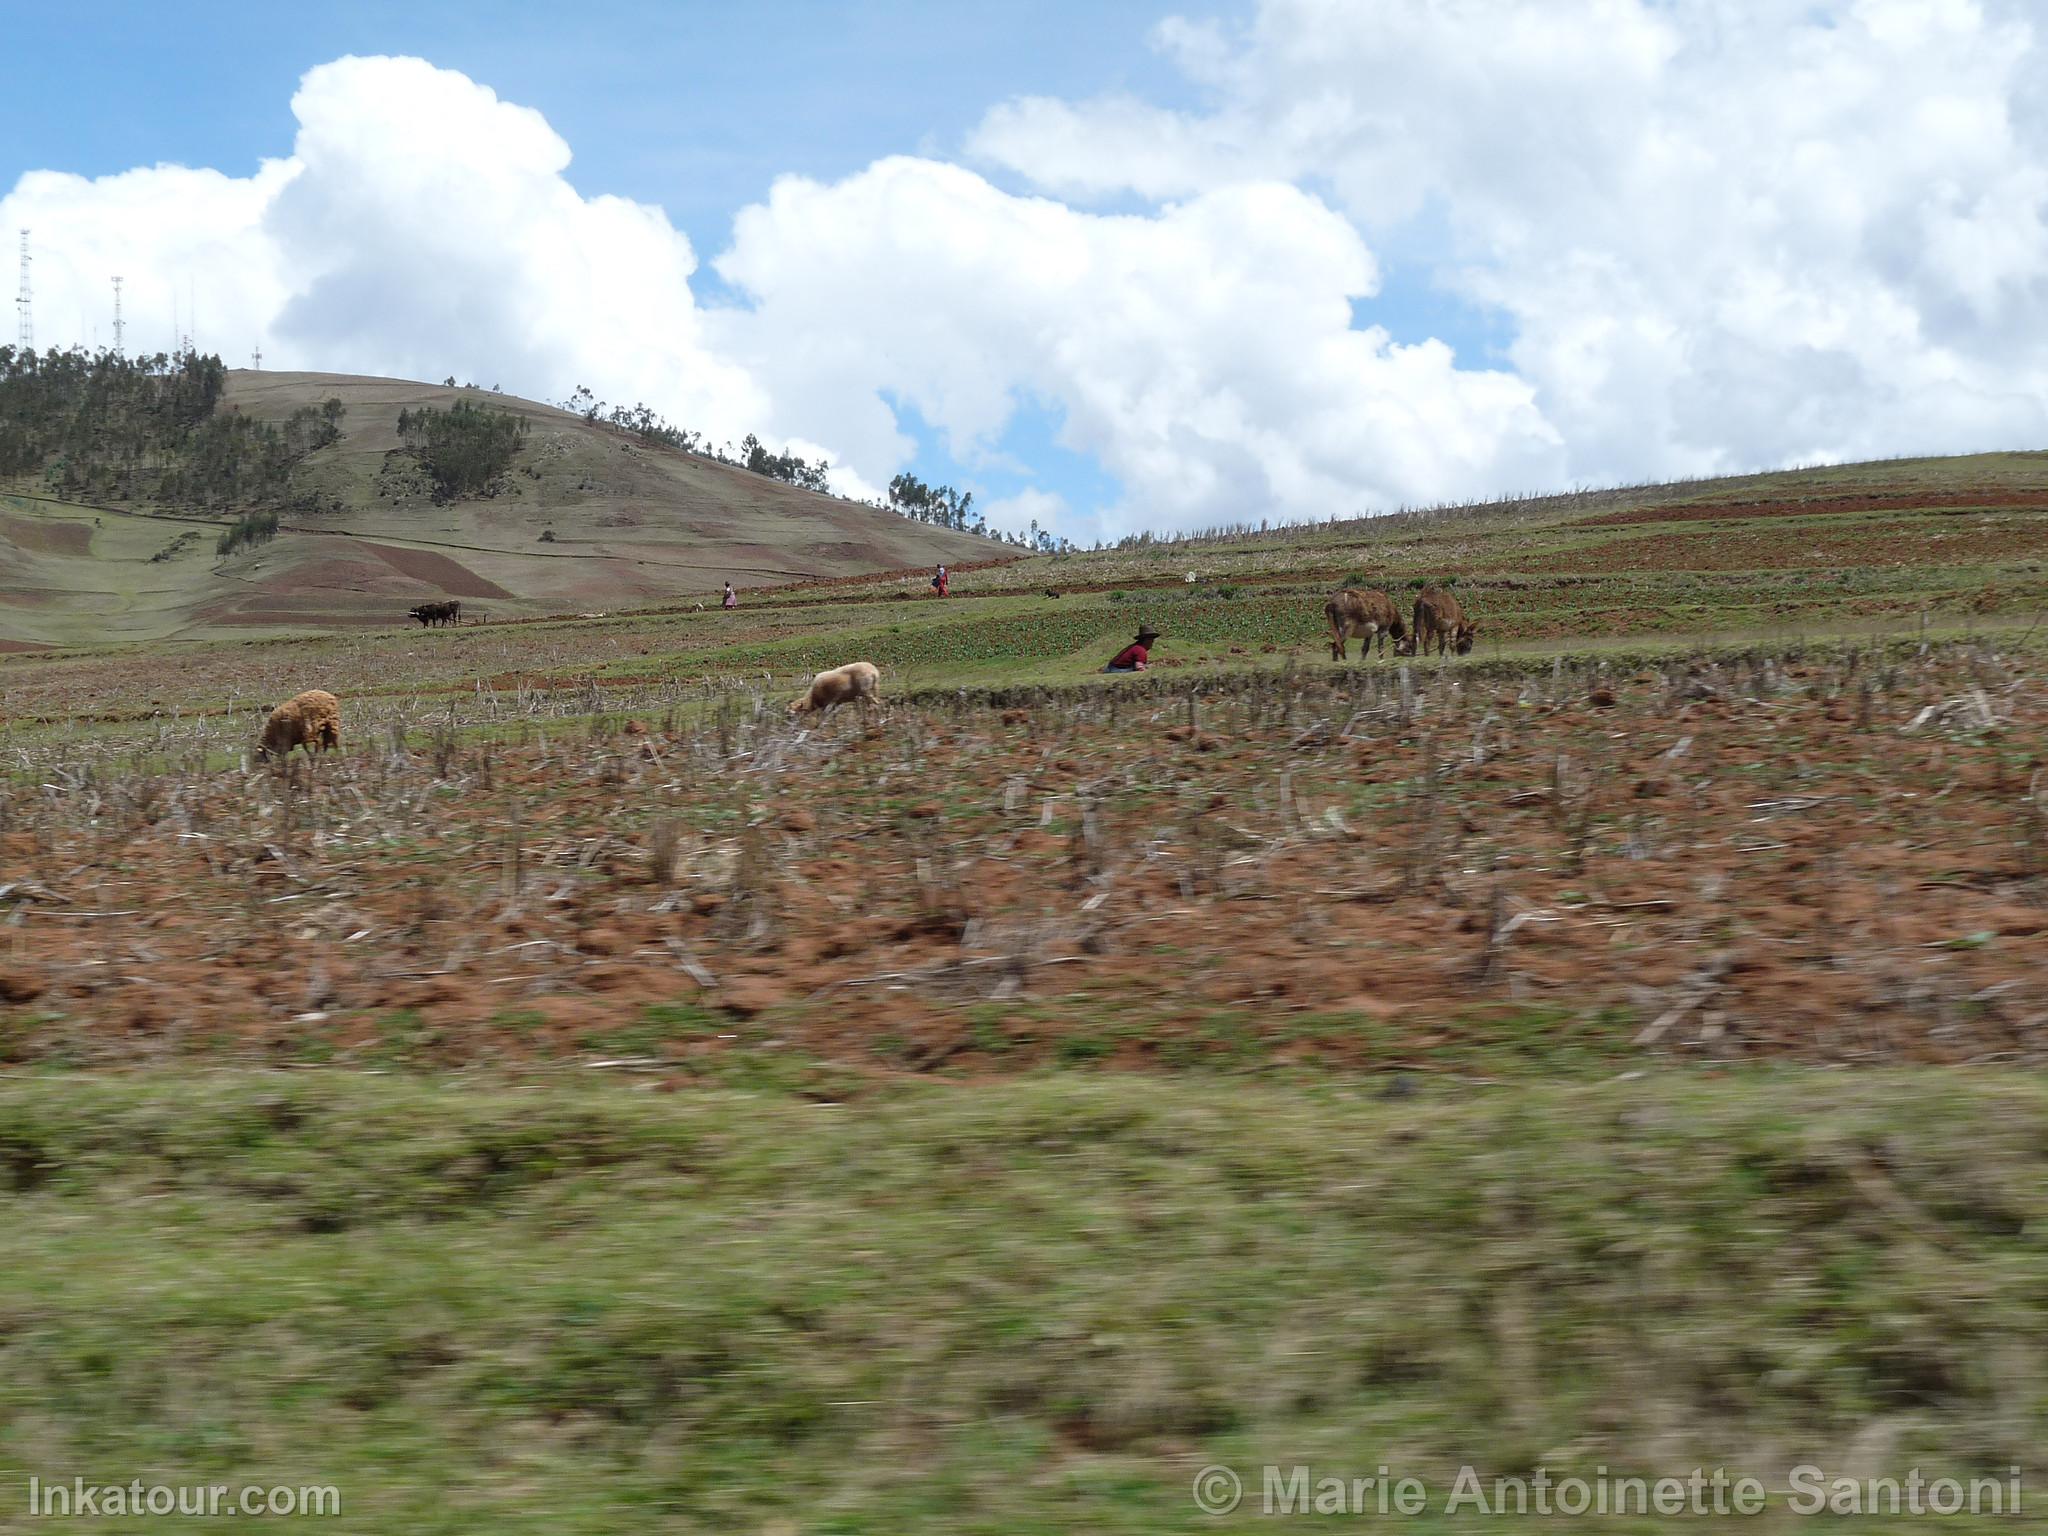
<point>587,518</point>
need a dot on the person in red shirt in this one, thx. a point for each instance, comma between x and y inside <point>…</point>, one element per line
<point>1136,656</point>
<point>939,581</point>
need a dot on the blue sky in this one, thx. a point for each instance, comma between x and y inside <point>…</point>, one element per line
<point>696,107</point>
<point>1211,242</point>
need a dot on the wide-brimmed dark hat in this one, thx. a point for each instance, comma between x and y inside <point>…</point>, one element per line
<point>1146,634</point>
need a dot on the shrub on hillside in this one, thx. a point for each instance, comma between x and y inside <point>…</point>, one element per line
<point>786,467</point>
<point>464,448</point>
<point>247,531</point>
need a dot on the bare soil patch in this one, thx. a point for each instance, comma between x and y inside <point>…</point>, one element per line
<point>1822,862</point>
<point>437,571</point>
<point>47,538</point>
<point>1820,506</point>
<point>1765,548</point>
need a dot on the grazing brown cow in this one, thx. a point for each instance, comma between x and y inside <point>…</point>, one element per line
<point>430,614</point>
<point>311,720</point>
<point>1439,618</point>
<point>1364,614</point>
<point>858,682</point>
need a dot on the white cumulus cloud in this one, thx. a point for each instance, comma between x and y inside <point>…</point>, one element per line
<point>181,240</point>
<point>1725,234</point>
<point>419,227</point>
<point>1204,355</point>
<point>1016,514</point>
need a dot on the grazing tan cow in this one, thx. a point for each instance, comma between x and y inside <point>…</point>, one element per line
<point>1439,618</point>
<point>858,682</point>
<point>1364,614</point>
<point>311,720</point>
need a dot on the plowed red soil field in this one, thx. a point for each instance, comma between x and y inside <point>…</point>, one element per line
<point>1962,542</point>
<point>1820,506</point>
<point>1839,862</point>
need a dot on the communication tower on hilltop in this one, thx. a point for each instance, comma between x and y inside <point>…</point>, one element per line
<point>256,360</point>
<point>118,352</point>
<point>24,317</point>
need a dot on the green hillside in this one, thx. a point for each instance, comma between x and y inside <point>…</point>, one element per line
<point>584,518</point>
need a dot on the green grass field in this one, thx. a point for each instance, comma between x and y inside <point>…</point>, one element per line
<point>561,1305</point>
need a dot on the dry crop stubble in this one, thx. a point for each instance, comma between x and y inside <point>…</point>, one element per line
<point>1392,868</point>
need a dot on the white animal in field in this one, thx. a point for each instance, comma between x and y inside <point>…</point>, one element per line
<point>858,682</point>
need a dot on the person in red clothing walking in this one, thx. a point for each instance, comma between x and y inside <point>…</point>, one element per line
<point>939,583</point>
<point>1136,656</point>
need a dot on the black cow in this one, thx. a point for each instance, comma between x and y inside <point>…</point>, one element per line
<point>430,614</point>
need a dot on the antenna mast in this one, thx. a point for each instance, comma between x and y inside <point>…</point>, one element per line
<point>24,316</point>
<point>118,352</point>
<point>256,360</point>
